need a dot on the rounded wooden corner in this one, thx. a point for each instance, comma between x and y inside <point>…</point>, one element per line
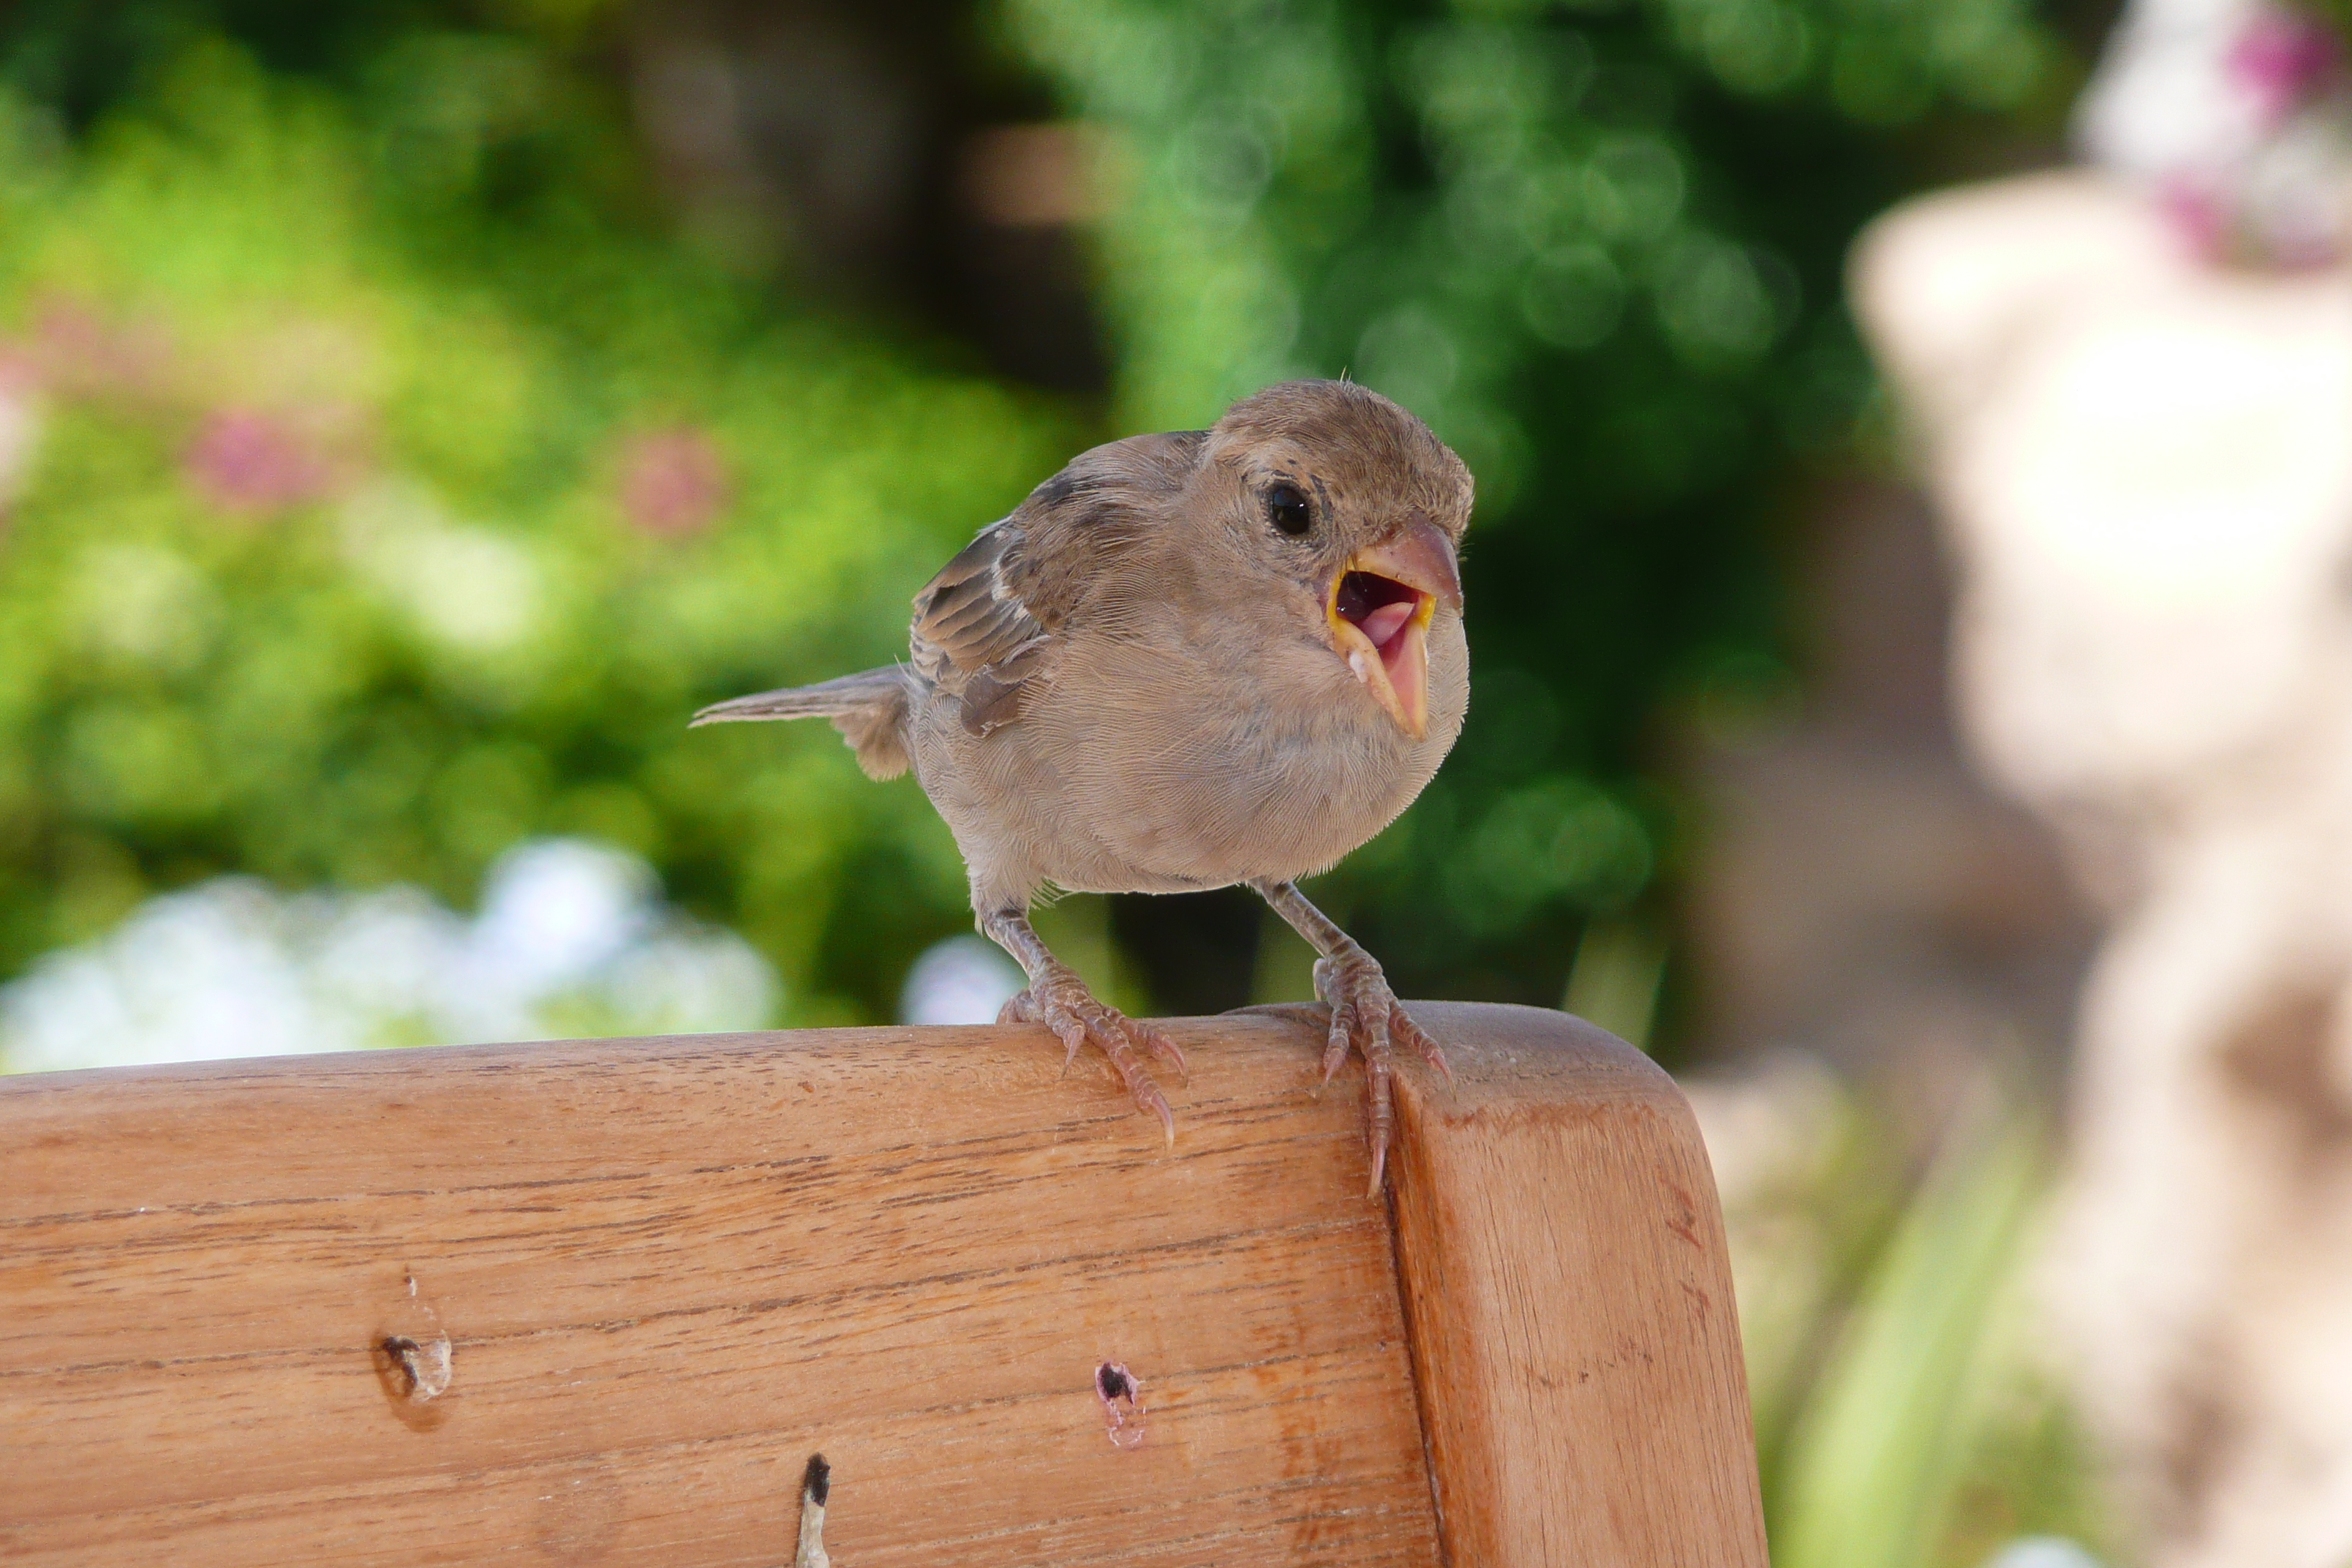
<point>1502,1053</point>
<point>1569,1298</point>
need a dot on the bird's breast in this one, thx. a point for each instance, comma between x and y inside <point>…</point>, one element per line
<point>1182,770</point>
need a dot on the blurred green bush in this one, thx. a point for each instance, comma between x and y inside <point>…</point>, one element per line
<point>373,506</point>
<point>1908,1398</point>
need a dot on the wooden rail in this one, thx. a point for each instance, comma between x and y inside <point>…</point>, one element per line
<point>599,1301</point>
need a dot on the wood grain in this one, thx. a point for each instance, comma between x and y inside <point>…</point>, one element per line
<point>668,1270</point>
<point>1570,1297</point>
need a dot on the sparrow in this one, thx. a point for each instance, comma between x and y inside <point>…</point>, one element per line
<point>1188,660</point>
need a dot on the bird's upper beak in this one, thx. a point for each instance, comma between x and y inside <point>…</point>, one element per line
<point>1380,606</point>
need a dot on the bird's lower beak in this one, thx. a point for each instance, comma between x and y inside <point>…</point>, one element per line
<point>1380,606</point>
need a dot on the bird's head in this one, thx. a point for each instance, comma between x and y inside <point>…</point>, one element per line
<point>1353,511</point>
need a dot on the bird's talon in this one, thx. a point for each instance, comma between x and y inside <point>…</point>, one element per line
<point>1158,1105</point>
<point>1401,1024</point>
<point>1366,1020</point>
<point>1155,1042</point>
<point>1339,1041</point>
<point>1078,1020</point>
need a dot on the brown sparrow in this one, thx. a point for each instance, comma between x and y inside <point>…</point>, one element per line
<point>1188,660</point>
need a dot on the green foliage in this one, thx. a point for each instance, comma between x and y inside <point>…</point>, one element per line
<point>1874,1467</point>
<point>1908,1409</point>
<point>385,506</point>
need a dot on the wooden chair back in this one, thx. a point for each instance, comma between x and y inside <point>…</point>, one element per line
<point>598,1302</point>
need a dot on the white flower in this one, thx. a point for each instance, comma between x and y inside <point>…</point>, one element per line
<point>962,980</point>
<point>573,939</point>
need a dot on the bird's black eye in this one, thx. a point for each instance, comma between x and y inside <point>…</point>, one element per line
<point>1288,510</point>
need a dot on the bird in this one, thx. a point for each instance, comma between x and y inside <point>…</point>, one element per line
<point>1188,660</point>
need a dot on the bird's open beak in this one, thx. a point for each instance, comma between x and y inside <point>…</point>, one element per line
<point>1380,606</point>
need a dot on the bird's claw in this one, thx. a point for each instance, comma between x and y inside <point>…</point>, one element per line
<point>1367,1018</point>
<point>1078,1020</point>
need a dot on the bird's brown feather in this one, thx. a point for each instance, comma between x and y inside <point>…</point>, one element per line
<point>869,709</point>
<point>986,628</point>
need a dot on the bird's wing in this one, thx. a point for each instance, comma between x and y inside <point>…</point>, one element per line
<point>984,627</point>
<point>988,629</point>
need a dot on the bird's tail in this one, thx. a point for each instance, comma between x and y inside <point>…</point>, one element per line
<point>869,709</point>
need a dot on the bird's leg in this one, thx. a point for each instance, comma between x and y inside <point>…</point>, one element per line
<point>1365,1013</point>
<point>1058,999</point>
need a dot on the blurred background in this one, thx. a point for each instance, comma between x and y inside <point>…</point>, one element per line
<point>1909,612</point>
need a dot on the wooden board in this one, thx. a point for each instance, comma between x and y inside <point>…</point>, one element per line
<point>668,1271</point>
<point>1569,1294</point>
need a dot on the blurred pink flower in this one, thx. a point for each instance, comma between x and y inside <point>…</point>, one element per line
<point>2237,116</point>
<point>2200,213</point>
<point>2281,59</point>
<point>77,353</point>
<point>672,482</point>
<point>247,461</point>
<point>20,423</point>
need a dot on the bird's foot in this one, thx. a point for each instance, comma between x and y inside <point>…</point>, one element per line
<point>1367,1018</point>
<point>1063,1004</point>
